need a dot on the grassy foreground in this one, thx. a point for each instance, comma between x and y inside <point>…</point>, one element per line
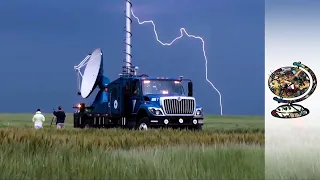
<point>21,162</point>
<point>121,139</point>
<point>228,148</point>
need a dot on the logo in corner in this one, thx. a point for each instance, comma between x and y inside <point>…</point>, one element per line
<point>115,104</point>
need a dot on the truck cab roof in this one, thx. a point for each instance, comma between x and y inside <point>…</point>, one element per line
<point>144,78</point>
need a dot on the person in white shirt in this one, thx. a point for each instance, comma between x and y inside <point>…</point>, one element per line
<point>38,119</point>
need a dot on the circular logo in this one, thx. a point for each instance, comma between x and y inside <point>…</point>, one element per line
<point>290,85</point>
<point>289,82</point>
<point>115,104</point>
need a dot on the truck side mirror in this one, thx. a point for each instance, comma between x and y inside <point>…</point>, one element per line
<point>190,89</point>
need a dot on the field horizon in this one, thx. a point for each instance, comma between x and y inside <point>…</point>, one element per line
<point>211,122</point>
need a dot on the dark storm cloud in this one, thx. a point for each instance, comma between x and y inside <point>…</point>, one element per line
<point>41,41</point>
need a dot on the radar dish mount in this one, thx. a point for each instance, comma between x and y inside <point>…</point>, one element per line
<point>92,75</point>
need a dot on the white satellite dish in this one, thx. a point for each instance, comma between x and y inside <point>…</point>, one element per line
<point>93,64</point>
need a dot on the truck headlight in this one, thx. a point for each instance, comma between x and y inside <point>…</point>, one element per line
<point>199,112</point>
<point>156,111</point>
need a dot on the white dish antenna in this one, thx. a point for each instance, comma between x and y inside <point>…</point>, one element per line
<point>87,81</point>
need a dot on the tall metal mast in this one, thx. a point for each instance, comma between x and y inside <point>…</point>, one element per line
<point>128,63</point>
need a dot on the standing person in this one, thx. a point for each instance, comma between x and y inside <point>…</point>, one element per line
<point>38,119</point>
<point>60,117</point>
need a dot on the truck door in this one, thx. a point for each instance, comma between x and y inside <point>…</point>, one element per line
<point>115,100</point>
<point>137,96</point>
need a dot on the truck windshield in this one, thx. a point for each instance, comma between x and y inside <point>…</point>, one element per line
<point>162,86</point>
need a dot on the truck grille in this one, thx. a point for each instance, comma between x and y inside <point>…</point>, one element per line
<point>184,106</point>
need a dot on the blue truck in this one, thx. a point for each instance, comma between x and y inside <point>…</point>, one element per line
<point>134,101</point>
<point>141,102</point>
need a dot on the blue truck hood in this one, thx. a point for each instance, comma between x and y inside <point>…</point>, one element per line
<point>155,98</point>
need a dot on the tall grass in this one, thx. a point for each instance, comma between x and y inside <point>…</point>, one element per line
<point>27,153</point>
<point>20,161</point>
<point>119,138</point>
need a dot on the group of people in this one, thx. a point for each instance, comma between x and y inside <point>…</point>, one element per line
<point>59,116</point>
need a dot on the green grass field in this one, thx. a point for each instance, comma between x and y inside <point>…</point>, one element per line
<point>228,148</point>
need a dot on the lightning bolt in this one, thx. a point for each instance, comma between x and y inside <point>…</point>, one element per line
<point>182,33</point>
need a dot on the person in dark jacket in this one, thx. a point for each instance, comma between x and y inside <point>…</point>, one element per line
<point>60,116</point>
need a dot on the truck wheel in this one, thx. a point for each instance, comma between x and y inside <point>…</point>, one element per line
<point>143,124</point>
<point>86,125</point>
<point>197,127</point>
<point>76,122</point>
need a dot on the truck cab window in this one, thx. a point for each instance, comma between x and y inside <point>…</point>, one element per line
<point>160,86</point>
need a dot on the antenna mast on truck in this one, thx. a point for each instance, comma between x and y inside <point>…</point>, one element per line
<point>127,69</point>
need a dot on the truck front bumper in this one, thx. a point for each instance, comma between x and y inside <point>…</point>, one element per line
<point>171,121</point>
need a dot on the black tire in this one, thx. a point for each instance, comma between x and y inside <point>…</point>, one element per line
<point>86,125</point>
<point>143,124</point>
<point>197,127</point>
<point>76,122</point>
